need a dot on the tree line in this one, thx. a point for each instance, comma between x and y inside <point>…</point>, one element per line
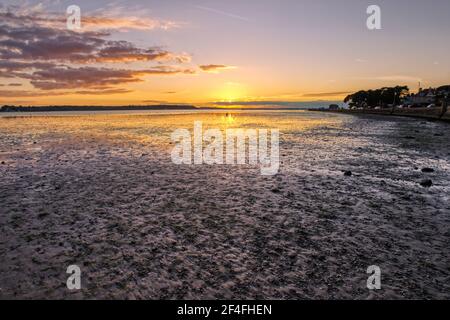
<point>378,97</point>
<point>392,96</point>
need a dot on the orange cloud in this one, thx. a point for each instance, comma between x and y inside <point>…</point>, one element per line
<point>214,68</point>
<point>111,19</point>
<point>50,58</point>
<point>325,94</point>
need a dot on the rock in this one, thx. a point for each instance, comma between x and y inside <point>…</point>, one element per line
<point>427,170</point>
<point>3,162</point>
<point>348,173</point>
<point>409,137</point>
<point>42,215</point>
<point>426,183</point>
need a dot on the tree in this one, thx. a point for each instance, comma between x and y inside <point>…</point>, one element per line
<point>373,98</point>
<point>399,93</point>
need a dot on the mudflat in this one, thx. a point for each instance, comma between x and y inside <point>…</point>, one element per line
<point>101,192</point>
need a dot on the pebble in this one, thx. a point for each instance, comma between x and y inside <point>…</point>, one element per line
<point>426,183</point>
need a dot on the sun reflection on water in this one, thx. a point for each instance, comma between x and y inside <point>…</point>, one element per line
<point>228,118</point>
<point>154,129</point>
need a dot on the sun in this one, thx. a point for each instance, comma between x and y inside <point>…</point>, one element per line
<point>231,92</point>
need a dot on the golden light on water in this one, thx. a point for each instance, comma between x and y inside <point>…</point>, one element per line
<point>153,128</point>
<point>228,118</point>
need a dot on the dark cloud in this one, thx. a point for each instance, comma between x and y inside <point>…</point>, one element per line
<point>65,46</point>
<point>28,93</point>
<point>84,77</point>
<point>104,20</point>
<point>11,66</point>
<point>36,48</point>
<point>277,104</point>
<point>92,77</point>
<point>325,94</point>
<point>214,67</point>
<point>101,92</point>
<point>154,101</point>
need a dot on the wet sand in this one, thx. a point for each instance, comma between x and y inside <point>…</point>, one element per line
<point>101,192</point>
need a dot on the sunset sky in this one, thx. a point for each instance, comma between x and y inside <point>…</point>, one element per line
<point>201,52</point>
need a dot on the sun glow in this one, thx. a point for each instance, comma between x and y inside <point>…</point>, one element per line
<point>231,92</point>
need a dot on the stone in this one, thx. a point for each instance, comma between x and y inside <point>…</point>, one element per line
<point>426,183</point>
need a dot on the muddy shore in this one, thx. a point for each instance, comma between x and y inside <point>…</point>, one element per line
<point>102,193</point>
<point>433,114</point>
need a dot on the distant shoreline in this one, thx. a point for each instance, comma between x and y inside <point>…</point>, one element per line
<point>13,109</point>
<point>95,108</point>
<point>422,113</point>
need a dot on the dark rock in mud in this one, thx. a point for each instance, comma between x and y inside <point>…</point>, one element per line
<point>427,170</point>
<point>426,183</point>
<point>348,173</point>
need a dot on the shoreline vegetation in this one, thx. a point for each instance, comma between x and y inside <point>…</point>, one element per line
<point>429,103</point>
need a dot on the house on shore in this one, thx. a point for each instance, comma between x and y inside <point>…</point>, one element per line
<point>424,97</point>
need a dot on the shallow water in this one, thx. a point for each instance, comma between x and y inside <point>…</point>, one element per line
<point>100,191</point>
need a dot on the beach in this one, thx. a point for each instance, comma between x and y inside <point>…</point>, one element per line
<point>100,191</point>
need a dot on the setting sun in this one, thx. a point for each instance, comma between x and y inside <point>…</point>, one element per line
<point>231,92</point>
